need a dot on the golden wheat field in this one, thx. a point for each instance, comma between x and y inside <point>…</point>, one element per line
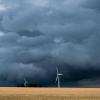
<point>49,94</point>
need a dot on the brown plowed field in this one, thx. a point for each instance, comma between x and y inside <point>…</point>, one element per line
<point>49,94</point>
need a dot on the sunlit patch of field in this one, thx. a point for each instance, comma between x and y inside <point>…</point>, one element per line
<point>49,94</point>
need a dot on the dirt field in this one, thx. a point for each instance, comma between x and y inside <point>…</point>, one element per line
<point>49,94</point>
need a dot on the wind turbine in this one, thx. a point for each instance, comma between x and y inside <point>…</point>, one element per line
<point>58,77</point>
<point>25,83</point>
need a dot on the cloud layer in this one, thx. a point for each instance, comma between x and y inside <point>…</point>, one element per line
<point>36,36</point>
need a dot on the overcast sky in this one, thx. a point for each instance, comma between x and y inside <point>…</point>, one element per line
<point>38,35</point>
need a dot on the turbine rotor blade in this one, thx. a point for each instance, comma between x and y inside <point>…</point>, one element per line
<point>57,70</point>
<point>56,78</point>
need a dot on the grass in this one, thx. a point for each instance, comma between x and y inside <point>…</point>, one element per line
<point>49,94</point>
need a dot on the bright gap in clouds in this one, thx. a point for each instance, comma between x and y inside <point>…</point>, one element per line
<point>2,8</point>
<point>1,34</point>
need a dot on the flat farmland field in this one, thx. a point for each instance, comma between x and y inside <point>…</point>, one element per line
<point>49,94</point>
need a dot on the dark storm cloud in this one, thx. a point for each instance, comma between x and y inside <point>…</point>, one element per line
<point>93,4</point>
<point>36,36</point>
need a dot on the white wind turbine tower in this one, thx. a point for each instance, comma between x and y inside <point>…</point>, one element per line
<point>58,77</point>
<point>25,83</point>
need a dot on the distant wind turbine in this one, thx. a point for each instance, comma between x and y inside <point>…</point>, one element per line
<point>58,77</point>
<point>25,83</point>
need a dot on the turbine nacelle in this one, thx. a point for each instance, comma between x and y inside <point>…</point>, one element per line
<point>59,74</point>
